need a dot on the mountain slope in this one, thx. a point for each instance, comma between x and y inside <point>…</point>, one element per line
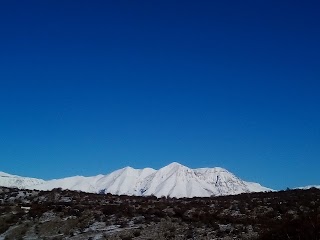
<point>174,180</point>
<point>309,186</point>
<point>8,180</point>
<point>123,181</point>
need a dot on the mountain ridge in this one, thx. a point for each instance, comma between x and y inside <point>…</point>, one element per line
<point>9,180</point>
<point>173,180</point>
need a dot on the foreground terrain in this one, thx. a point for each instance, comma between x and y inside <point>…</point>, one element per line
<point>58,214</point>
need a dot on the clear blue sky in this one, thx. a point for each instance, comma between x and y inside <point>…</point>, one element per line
<point>87,87</point>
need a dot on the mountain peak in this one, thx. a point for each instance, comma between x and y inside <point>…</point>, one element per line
<point>174,165</point>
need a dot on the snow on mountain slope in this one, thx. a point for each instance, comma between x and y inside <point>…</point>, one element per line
<point>221,181</point>
<point>8,180</point>
<point>80,183</point>
<point>256,187</point>
<point>125,181</point>
<point>122,181</point>
<point>174,180</point>
<point>310,186</point>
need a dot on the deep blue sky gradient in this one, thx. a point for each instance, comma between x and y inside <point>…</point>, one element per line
<point>87,87</point>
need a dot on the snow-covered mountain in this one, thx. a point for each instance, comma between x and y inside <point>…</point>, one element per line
<point>309,186</point>
<point>122,181</point>
<point>8,180</point>
<point>174,180</point>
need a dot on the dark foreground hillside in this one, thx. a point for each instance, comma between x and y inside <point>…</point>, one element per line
<point>57,214</point>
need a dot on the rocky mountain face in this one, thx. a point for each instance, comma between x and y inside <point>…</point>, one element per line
<point>173,180</point>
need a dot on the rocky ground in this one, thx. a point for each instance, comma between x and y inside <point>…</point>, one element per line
<point>57,214</point>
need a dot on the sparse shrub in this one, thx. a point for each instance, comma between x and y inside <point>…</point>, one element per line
<point>273,215</point>
<point>126,237</point>
<point>137,233</point>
